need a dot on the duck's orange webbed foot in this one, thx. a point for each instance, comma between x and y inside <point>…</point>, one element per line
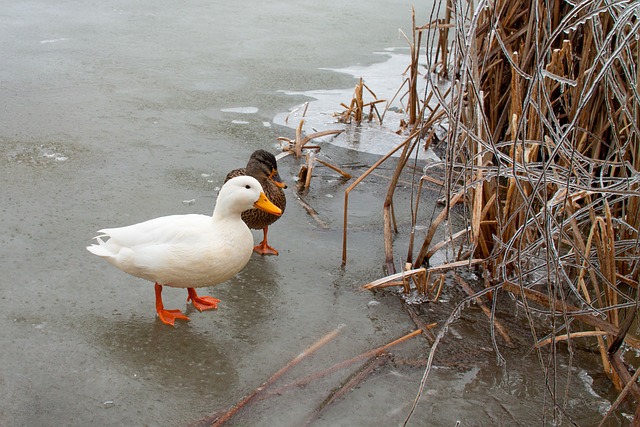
<point>263,248</point>
<point>202,303</point>
<point>168,317</point>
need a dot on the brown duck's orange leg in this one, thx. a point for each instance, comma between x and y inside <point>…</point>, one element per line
<point>202,303</point>
<point>263,248</point>
<point>167,317</point>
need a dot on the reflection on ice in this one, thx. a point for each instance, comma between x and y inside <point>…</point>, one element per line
<point>240,110</point>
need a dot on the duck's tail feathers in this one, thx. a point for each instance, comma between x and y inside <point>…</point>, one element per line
<point>100,249</point>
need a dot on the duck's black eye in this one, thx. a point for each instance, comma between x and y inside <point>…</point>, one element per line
<point>247,186</point>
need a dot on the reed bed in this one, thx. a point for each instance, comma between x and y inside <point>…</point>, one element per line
<point>543,154</point>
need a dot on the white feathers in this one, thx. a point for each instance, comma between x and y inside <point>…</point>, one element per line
<point>186,251</point>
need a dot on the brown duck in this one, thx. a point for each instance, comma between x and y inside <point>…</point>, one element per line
<point>262,166</point>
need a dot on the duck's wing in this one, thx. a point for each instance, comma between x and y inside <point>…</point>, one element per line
<point>157,231</point>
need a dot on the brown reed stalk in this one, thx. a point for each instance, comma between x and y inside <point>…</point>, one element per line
<point>341,365</point>
<point>251,396</point>
<point>356,182</point>
<point>352,382</point>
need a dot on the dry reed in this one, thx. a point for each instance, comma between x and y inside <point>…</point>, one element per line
<point>543,153</point>
<point>543,149</point>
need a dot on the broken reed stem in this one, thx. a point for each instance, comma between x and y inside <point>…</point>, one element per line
<point>499,327</point>
<point>320,134</point>
<point>394,278</point>
<point>309,171</point>
<point>296,145</point>
<point>355,183</point>
<point>341,365</point>
<point>300,357</point>
<point>351,382</point>
<point>358,102</point>
<point>357,105</point>
<point>570,336</point>
<point>298,142</point>
<point>401,279</point>
<point>344,174</point>
<point>559,307</point>
<point>623,394</point>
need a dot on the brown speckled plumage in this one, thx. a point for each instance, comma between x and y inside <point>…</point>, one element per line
<point>262,166</point>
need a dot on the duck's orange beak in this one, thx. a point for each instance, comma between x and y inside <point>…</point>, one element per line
<point>265,204</point>
<point>275,178</point>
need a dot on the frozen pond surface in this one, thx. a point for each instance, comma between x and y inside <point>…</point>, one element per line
<point>387,80</point>
<point>116,112</point>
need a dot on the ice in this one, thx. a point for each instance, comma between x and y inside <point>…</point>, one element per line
<point>240,110</point>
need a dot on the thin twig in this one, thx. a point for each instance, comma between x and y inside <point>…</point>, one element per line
<point>341,365</point>
<point>623,394</point>
<point>300,357</point>
<point>351,382</point>
<point>501,329</point>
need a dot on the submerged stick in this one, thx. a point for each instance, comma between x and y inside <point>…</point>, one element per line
<point>351,382</point>
<point>309,351</point>
<point>371,353</point>
<point>499,327</point>
<point>312,212</point>
<point>426,329</point>
<point>621,369</point>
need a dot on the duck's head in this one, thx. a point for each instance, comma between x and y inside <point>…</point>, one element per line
<point>243,193</point>
<point>262,165</point>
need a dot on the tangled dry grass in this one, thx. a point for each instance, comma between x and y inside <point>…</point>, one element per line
<point>543,153</point>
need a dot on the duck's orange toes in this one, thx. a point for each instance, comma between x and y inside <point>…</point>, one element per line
<point>202,303</point>
<point>263,248</point>
<point>168,317</point>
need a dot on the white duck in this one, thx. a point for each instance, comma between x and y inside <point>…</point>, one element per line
<point>188,251</point>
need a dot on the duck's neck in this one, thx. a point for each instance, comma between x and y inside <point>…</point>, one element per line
<point>220,214</point>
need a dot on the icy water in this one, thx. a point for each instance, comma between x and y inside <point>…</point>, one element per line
<point>116,112</point>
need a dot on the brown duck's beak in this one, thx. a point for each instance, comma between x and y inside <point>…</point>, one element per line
<point>265,204</point>
<point>275,177</point>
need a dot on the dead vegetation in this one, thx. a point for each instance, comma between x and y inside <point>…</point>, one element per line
<point>543,154</point>
<point>296,146</point>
